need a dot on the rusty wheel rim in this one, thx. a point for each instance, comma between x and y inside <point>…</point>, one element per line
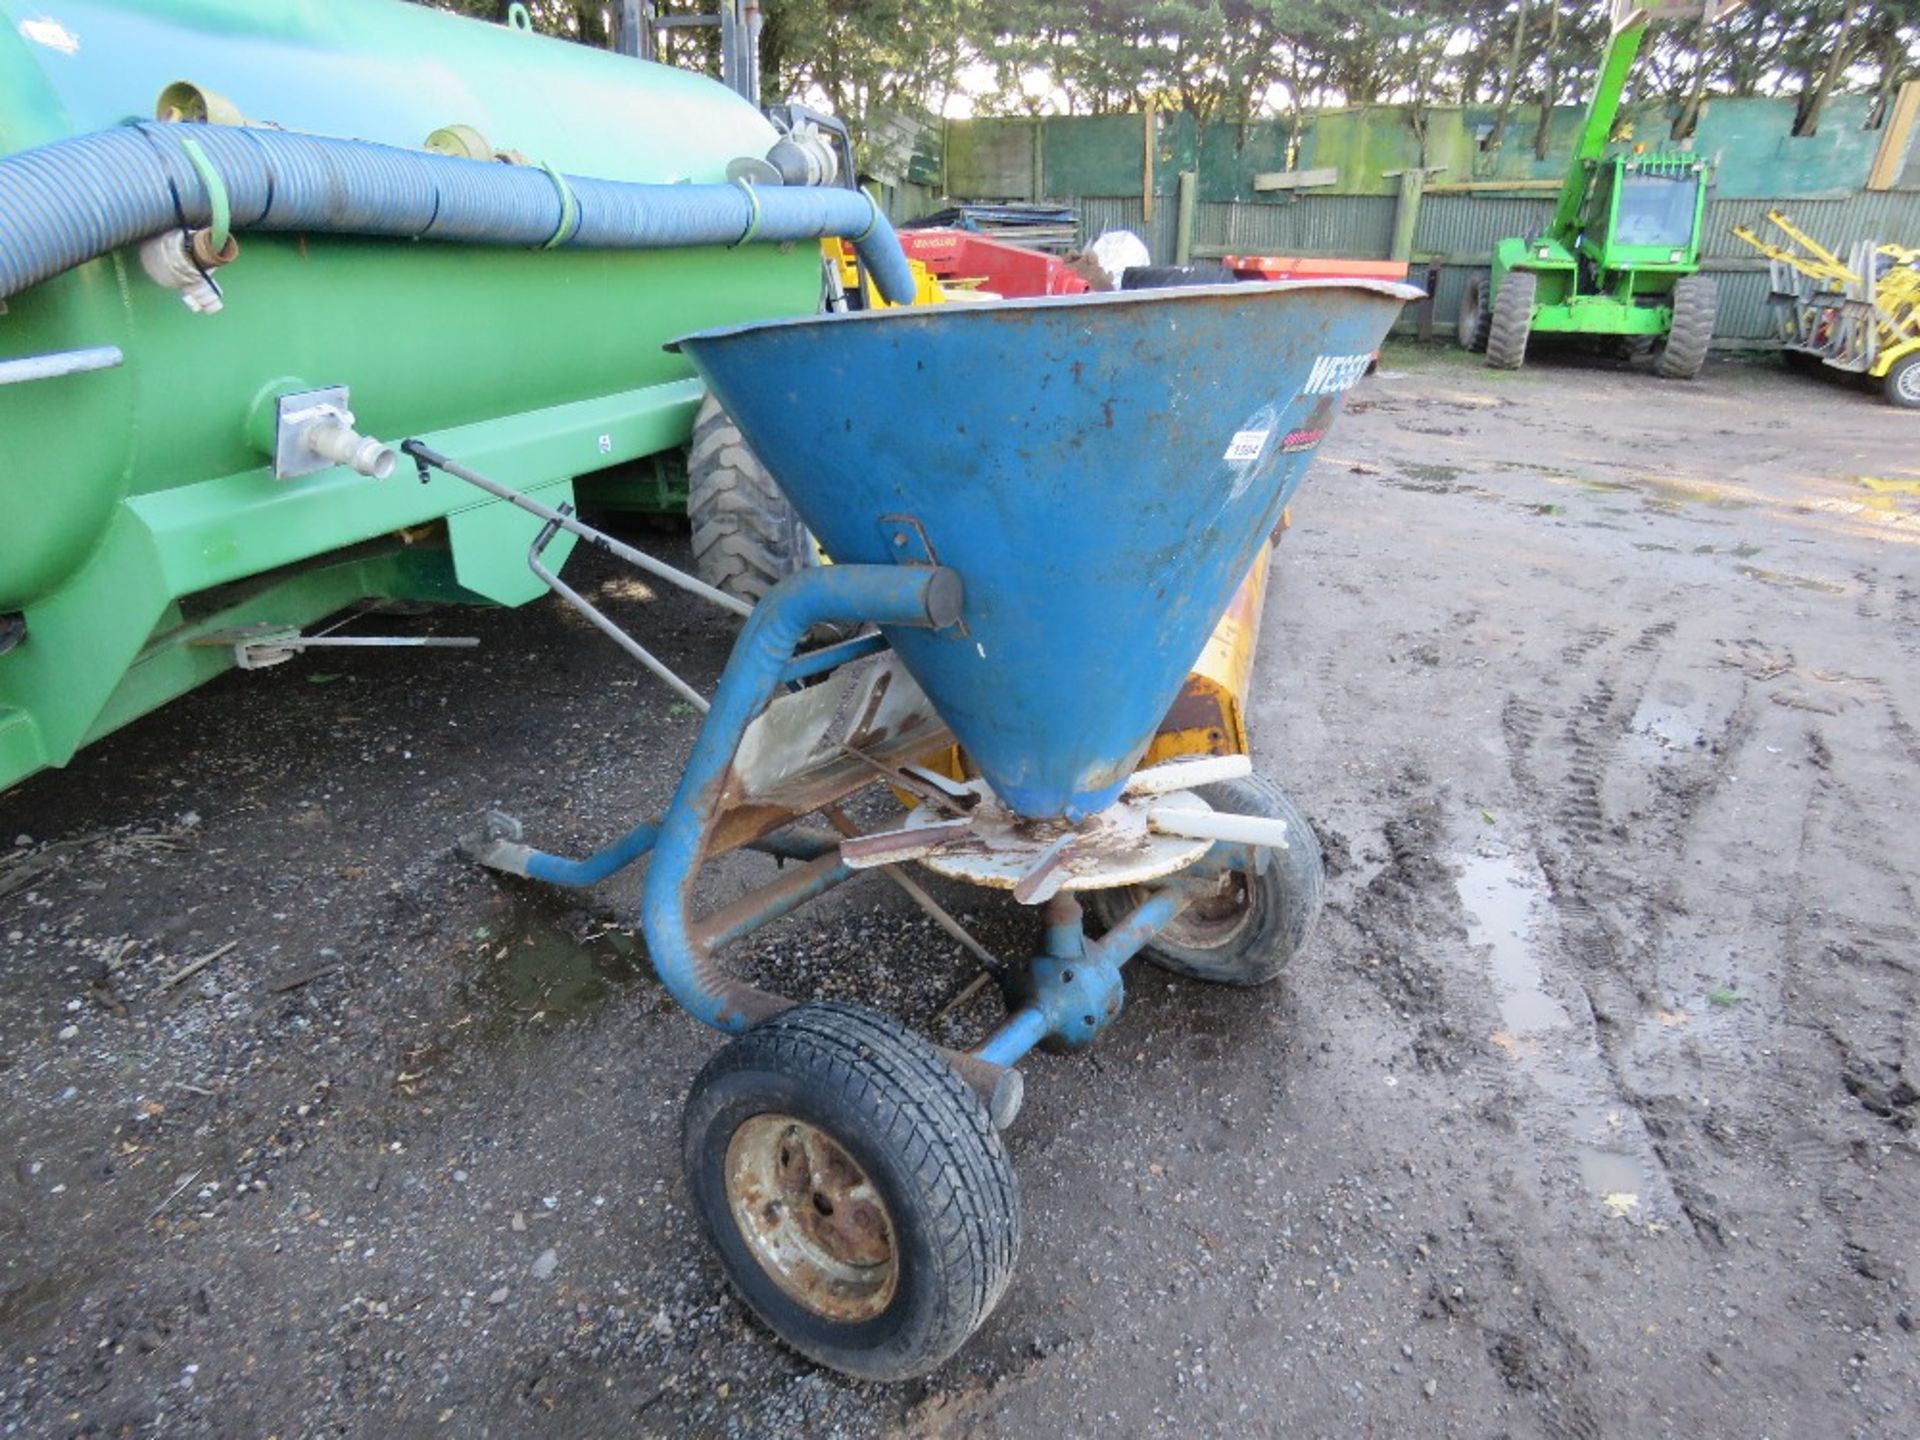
<point>1213,921</point>
<point>811,1217</point>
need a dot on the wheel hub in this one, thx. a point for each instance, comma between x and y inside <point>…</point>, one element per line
<point>811,1217</point>
<point>1213,920</point>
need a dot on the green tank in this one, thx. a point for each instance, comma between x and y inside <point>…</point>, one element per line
<point>146,536</point>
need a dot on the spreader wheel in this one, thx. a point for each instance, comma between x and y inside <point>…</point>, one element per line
<point>1246,931</point>
<point>859,1196</point>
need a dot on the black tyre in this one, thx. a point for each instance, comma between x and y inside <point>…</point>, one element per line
<point>1512,320</point>
<point>861,1200</point>
<point>1476,314</point>
<point>1901,383</point>
<point>1165,277</point>
<point>746,536</point>
<point>1249,931</point>
<point>1695,298</point>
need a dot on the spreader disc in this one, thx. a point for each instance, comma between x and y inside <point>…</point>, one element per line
<point>999,850</point>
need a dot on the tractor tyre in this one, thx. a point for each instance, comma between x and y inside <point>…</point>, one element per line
<point>746,536</point>
<point>1902,382</point>
<point>1695,298</point>
<point>1511,321</point>
<point>1476,314</point>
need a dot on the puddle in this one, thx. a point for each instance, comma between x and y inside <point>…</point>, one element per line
<point>539,971</point>
<point>1674,722</point>
<point>1431,479</point>
<point>1798,582</point>
<point>1502,900</point>
<point>1670,492</point>
<point>1505,901</point>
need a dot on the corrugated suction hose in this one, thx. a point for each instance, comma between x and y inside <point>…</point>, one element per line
<point>72,201</point>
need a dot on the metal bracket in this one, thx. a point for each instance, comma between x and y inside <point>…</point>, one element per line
<point>907,541</point>
<point>257,647</point>
<point>294,418</point>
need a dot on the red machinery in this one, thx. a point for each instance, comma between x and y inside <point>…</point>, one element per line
<point>1309,267</point>
<point>959,257</point>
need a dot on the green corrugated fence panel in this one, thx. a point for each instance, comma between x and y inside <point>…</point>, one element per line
<point>1761,157</point>
<point>1360,225</point>
<point>1234,154</point>
<point>1101,155</point>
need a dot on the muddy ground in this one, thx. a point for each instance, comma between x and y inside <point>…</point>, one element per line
<point>1589,1113</point>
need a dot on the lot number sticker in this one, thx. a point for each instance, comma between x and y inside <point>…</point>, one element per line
<point>1247,444</point>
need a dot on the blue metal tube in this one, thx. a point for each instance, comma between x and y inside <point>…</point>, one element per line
<point>1075,988</point>
<point>561,870</point>
<point>831,657</point>
<point>908,596</point>
<point>1023,1030</point>
<point>1143,922</point>
<point>75,200</point>
<point>759,907</point>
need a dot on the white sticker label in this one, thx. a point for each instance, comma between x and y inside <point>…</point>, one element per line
<point>1334,373</point>
<point>1247,444</point>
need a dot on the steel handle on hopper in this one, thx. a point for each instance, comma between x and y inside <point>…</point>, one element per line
<point>427,458</point>
<point>654,665</point>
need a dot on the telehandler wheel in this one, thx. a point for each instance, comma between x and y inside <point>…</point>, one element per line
<point>1695,297</point>
<point>1475,313</point>
<point>1512,320</point>
<point>1251,928</point>
<point>859,1196</point>
<point>1902,382</point>
<point>746,536</point>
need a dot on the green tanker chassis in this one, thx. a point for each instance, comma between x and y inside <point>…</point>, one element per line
<point>145,542</point>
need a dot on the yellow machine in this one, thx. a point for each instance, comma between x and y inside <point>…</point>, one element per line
<point>927,290</point>
<point>1860,315</point>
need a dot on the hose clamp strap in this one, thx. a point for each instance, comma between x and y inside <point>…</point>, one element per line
<point>220,205</point>
<point>753,213</point>
<point>569,209</point>
<point>873,217</point>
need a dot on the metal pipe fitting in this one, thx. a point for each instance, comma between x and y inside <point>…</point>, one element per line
<point>169,260</point>
<point>338,443</point>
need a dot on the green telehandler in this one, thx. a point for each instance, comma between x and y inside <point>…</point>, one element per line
<point>1621,256</point>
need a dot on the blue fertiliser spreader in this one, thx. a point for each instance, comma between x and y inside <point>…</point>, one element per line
<point>1037,512</point>
<point>1099,470</point>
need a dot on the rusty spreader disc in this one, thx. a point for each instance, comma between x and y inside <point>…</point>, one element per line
<point>1038,858</point>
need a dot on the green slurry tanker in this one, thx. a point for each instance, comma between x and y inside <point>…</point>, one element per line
<point>245,249</point>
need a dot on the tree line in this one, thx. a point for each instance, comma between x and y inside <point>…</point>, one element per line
<point>1240,60</point>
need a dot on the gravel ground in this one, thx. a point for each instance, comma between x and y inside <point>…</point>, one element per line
<point>1588,1113</point>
